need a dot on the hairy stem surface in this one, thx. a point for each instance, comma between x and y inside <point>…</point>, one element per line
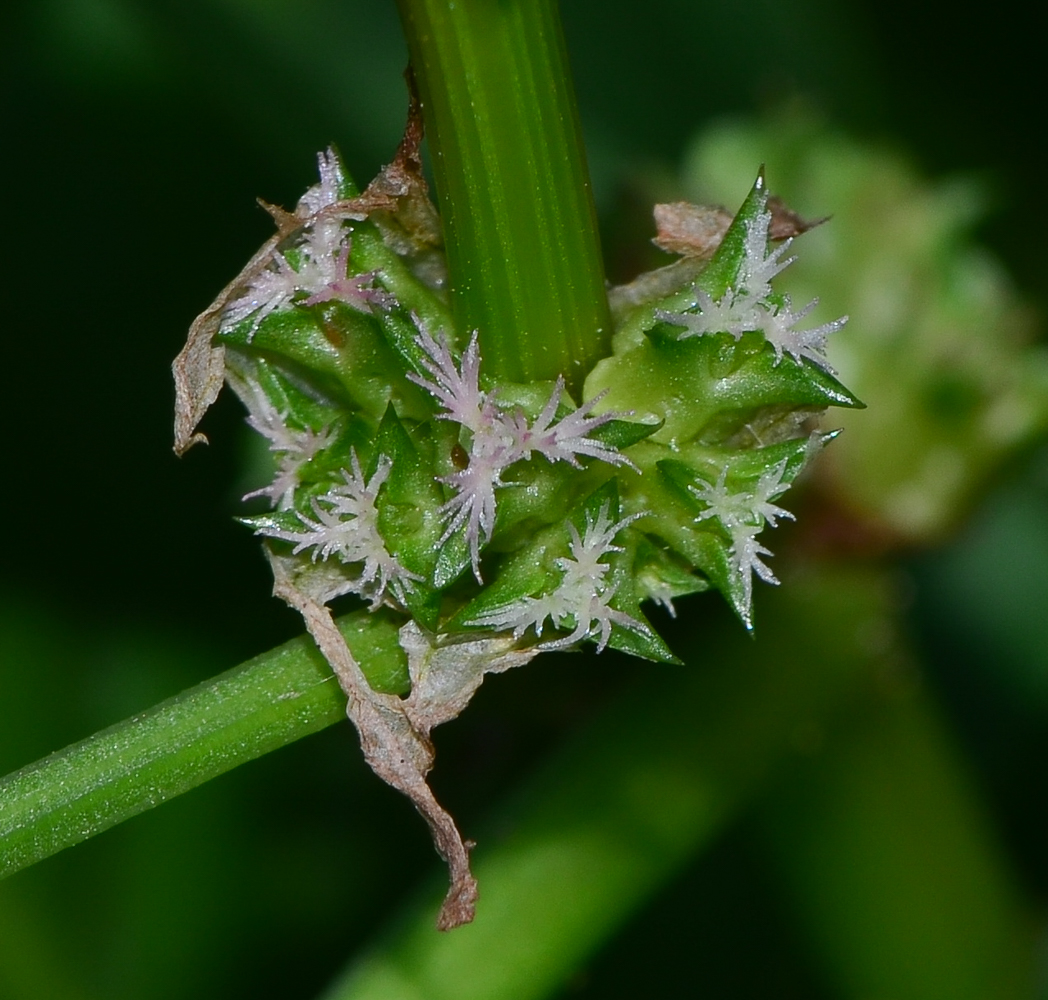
<point>270,701</point>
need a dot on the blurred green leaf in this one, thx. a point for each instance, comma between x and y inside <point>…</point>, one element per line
<point>620,809</point>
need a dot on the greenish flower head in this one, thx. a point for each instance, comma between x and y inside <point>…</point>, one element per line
<point>405,475</point>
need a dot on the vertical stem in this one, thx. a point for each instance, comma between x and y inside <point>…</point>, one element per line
<point>519,220</point>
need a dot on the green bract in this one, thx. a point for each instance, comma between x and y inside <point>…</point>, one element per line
<point>499,519</point>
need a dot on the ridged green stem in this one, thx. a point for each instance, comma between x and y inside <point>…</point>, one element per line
<point>518,215</point>
<point>268,702</point>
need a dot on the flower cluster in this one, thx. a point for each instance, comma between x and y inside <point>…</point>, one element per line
<point>743,515</point>
<point>499,437</point>
<point>374,496</point>
<point>317,270</point>
<point>292,447</point>
<point>346,525</point>
<point>450,503</point>
<point>749,304</point>
<point>581,601</point>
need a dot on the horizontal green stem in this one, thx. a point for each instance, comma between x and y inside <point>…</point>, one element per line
<point>268,702</point>
<point>620,810</point>
<point>519,222</point>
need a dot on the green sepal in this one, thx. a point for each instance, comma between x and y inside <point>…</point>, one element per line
<point>277,520</point>
<point>723,269</point>
<point>647,644</point>
<point>340,351</point>
<point>715,387</point>
<point>287,393</point>
<point>347,187</point>
<point>662,576</point>
<point>623,433</point>
<point>407,513</point>
<point>536,496</point>
<point>706,543</point>
<point>745,465</point>
<point>644,642</point>
<point>371,253</point>
<point>452,560</point>
<point>710,388</point>
<point>530,570</point>
<point>400,334</point>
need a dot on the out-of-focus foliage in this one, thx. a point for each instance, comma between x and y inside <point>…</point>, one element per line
<point>938,344</point>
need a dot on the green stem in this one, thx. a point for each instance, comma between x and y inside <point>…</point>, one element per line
<point>270,701</point>
<point>519,221</point>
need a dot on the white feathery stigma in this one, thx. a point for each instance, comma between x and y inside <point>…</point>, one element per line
<point>581,600</point>
<point>498,436</point>
<point>292,447</point>
<point>346,525</point>
<point>748,304</point>
<point>322,264</point>
<point>743,515</point>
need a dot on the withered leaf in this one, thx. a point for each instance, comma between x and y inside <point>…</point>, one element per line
<point>199,368</point>
<point>690,230</point>
<point>394,732</point>
<point>697,230</point>
<point>786,223</point>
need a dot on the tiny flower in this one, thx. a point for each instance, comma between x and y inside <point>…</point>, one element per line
<point>322,262</point>
<point>292,447</point>
<point>473,506</point>
<point>456,388</point>
<point>355,290</point>
<point>563,440</point>
<point>743,507</point>
<point>499,438</point>
<point>743,514</point>
<point>726,316</point>
<point>778,328</point>
<point>749,304</point>
<point>346,525</point>
<point>582,598</point>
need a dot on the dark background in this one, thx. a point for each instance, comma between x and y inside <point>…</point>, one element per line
<point>135,136</point>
